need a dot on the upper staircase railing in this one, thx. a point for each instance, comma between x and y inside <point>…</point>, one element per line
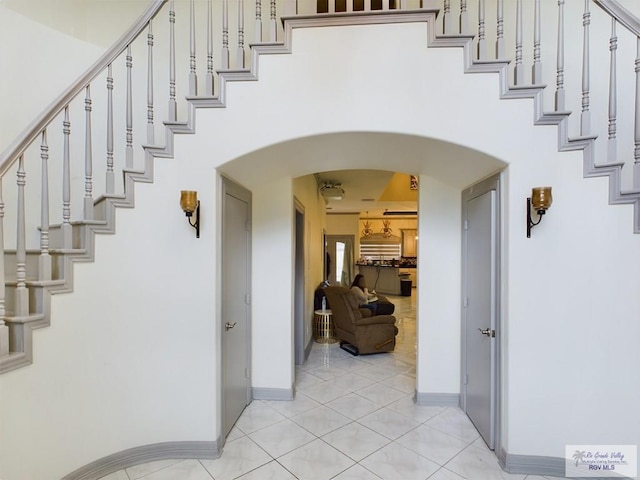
<point>110,120</point>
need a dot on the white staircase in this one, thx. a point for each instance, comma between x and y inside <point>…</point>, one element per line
<point>40,262</point>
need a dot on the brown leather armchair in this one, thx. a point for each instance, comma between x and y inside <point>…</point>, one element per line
<point>359,334</point>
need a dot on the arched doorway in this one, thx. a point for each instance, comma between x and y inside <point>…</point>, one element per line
<point>443,169</point>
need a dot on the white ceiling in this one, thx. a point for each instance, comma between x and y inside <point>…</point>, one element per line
<point>362,190</point>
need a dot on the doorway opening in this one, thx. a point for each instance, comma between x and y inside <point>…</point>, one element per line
<point>299,284</point>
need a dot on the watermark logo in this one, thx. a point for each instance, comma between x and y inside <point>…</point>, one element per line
<point>615,461</point>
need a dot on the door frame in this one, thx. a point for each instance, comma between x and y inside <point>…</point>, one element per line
<point>229,187</point>
<point>299,279</point>
<point>491,183</point>
<point>330,238</point>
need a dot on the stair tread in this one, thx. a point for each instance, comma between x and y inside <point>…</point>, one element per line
<point>32,317</point>
<point>35,282</point>
<point>69,251</point>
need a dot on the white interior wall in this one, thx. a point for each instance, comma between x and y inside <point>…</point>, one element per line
<point>47,45</point>
<point>570,302</point>
<point>439,287</point>
<point>130,357</point>
<point>305,190</point>
<point>272,285</point>
<point>345,224</point>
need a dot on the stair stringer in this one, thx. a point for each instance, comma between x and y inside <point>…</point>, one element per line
<point>105,206</point>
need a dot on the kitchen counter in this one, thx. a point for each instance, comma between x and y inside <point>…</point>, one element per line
<point>382,278</point>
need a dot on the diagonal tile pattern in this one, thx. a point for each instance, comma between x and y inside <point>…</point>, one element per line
<point>353,418</point>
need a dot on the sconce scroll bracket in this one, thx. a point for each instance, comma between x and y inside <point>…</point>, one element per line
<point>196,223</point>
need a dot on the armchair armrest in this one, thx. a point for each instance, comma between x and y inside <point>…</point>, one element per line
<point>365,312</point>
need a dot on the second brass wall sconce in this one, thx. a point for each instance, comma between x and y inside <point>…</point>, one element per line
<point>190,204</point>
<point>540,201</point>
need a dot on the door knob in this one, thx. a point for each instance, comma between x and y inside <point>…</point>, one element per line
<point>488,332</point>
<point>229,326</point>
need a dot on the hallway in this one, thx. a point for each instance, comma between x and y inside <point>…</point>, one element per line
<point>353,418</point>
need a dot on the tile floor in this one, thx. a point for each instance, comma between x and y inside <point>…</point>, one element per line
<point>353,418</point>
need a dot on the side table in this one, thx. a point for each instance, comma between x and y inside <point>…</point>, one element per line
<point>323,330</point>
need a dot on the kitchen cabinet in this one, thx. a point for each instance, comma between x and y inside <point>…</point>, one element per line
<point>409,243</point>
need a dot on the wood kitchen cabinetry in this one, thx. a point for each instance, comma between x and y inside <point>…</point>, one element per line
<point>409,243</point>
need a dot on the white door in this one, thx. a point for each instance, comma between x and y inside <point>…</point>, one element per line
<point>236,311</point>
<point>479,319</point>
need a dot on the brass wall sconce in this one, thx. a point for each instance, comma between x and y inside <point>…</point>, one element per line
<point>540,200</point>
<point>190,204</point>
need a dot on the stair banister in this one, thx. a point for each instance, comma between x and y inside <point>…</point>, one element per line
<point>621,14</point>
<point>457,17</point>
<point>29,135</point>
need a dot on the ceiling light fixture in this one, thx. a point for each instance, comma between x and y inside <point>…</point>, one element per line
<point>367,231</point>
<point>332,191</point>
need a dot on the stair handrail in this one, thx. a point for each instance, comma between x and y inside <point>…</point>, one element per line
<point>10,155</point>
<point>621,14</point>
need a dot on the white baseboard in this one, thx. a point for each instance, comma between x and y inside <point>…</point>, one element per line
<point>144,454</point>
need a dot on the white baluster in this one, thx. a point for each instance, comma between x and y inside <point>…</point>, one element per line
<point>88,158</point>
<point>193,78</point>
<point>225,34</point>
<point>44,261</point>
<point>129,124</point>
<point>464,17</point>
<point>481,31</point>
<point>66,182</point>
<point>518,73</point>
<point>536,69</point>
<point>173,106</point>
<point>240,52</point>
<point>636,130</point>
<point>447,19</point>
<point>150,126</point>
<point>560,76</point>
<point>585,116</point>
<point>349,5</point>
<point>273,22</point>
<point>258,22</point>
<point>331,6</point>
<point>209,77</point>
<point>367,5</point>
<point>21,292</point>
<point>612,140</point>
<point>4,330</point>
<point>500,48</point>
<point>385,4</point>
<point>110,181</point>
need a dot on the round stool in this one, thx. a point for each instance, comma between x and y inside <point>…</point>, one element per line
<point>323,331</point>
